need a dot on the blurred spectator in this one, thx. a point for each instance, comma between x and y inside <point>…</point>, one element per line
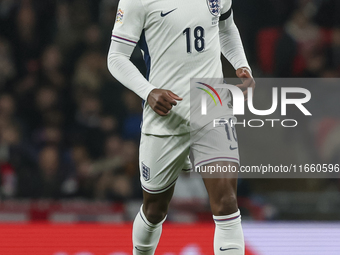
<point>49,179</point>
<point>7,107</point>
<point>89,72</point>
<point>7,68</point>
<point>302,39</point>
<point>88,125</point>
<point>133,118</point>
<point>51,68</point>
<point>112,159</point>
<point>118,171</point>
<point>79,182</point>
<point>27,37</point>
<point>9,138</point>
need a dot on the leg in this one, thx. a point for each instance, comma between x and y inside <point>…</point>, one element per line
<point>223,202</point>
<point>155,206</point>
<point>147,227</point>
<point>161,160</point>
<point>222,191</point>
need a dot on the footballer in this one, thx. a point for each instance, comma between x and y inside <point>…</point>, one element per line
<point>180,40</point>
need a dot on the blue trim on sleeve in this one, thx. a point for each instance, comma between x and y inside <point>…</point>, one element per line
<point>143,45</point>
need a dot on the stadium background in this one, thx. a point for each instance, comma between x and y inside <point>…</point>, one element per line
<point>69,132</point>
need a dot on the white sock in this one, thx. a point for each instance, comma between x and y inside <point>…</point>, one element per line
<point>145,235</point>
<point>228,235</point>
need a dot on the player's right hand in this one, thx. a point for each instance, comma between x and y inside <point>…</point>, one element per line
<point>162,101</point>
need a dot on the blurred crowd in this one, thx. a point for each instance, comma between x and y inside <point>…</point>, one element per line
<point>291,38</point>
<point>69,129</point>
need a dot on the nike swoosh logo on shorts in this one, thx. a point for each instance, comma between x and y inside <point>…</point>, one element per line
<point>232,148</point>
<point>164,14</point>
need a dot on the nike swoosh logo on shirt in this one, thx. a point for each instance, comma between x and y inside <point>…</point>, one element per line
<point>164,14</point>
<point>232,148</point>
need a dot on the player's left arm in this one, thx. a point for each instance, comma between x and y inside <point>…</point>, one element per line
<point>232,48</point>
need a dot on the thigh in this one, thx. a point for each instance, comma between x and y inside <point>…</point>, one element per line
<point>219,143</point>
<point>216,157</point>
<point>161,160</point>
<point>226,184</point>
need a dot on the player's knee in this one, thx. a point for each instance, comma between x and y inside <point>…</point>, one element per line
<point>154,214</point>
<point>225,205</point>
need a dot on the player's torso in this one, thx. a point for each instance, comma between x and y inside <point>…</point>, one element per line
<point>182,39</point>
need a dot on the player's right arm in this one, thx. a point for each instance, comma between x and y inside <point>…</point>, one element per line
<point>125,35</point>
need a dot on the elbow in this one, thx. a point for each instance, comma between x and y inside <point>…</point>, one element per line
<point>114,60</point>
<point>111,62</point>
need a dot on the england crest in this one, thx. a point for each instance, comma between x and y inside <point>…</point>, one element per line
<point>145,172</point>
<point>214,7</point>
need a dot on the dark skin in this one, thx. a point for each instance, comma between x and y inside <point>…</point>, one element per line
<point>222,191</point>
<point>247,80</point>
<point>162,101</point>
<point>222,197</point>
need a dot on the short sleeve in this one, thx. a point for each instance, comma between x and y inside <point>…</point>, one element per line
<point>226,10</point>
<point>129,22</point>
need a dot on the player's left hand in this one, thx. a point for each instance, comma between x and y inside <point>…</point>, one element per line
<point>247,81</point>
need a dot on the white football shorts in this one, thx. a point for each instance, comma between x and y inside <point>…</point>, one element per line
<point>162,158</point>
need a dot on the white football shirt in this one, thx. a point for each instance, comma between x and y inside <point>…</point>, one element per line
<point>180,41</point>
